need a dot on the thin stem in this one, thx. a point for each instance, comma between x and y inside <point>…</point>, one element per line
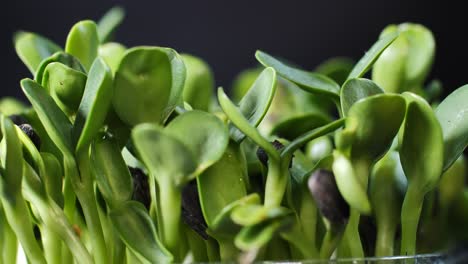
<point>212,250</point>
<point>385,240</point>
<point>353,239</point>
<point>330,242</point>
<point>87,198</point>
<point>277,179</point>
<point>308,218</point>
<point>410,213</point>
<point>9,246</point>
<point>17,214</point>
<point>52,246</point>
<point>170,200</point>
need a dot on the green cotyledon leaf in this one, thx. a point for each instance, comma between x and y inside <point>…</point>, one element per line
<point>366,62</point>
<point>32,49</point>
<point>452,114</point>
<point>354,90</point>
<point>165,156</point>
<point>109,22</point>
<point>199,83</point>
<point>255,103</point>
<point>148,85</point>
<point>222,183</point>
<point>111,172</point>
<point>94,105</point>
<point>55,122</point>
<point>64,84</point>
<point>374,122</point>
<point>83,42</point>
<point>205,135</point>
<point>62,57</point>
<point>11,156</point>
<point>309,81</point>
<point>422,141</point>
<point>350,186</point>
<point>112,53</point>
<point>137,231</point>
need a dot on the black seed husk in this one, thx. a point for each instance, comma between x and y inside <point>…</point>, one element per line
<point>262,155</point>
<point>18,119</point>
<point>330,203</point>
<point>141,191</point>
<point>31,133</point>
<point>191,210</point>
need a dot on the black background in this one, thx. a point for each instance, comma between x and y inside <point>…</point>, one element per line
<point>227,33</point>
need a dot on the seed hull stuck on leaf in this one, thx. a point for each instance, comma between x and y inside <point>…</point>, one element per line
<point>329,201</point>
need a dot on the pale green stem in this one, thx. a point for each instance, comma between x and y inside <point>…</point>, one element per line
<point>196,244</point>
<point>330,241</point>
<point>385,239</point>
<point>212,250</point>
<point>410,214</point>
<point>308,219</point>
<point>87,198</point>
<point>276,182</point>
<point>9,246</point>
<point>17,214</point>
<point>353,239</point>
<point>52,246</point>
<point>170,200</point>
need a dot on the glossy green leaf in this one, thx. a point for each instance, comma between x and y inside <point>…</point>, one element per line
<point>309,81</point>
<point>240,121</point>
<point>136,229</point>
<point>366,62</point>
<point>32,49</point>
<point>61,57</point>
<point>405,64</point>
<point>166,157</point>
<point>222,183</point>
<point>83,42</point>
<point>374,123</point>
<point>110,171</point>
<point>94,105</point>
<point>148,85</point>
<point>421,142</point>
<point>108,23</point>
<point>356,89</point>
<point>199,83</point>
<point>64,84</point>
<point>11,156</point>
<point>203,133</point>
<point>55,122</point>
<point>452,114</point>
<point>350,186</point>
<point>252,214</point>
<point>257,236</point>
<point>297,125</point>
<point>223,218</point>
<point>243,82</point>
<point>255,103</point>
<point>112,53</point>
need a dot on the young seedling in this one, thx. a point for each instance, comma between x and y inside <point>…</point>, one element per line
<point>405,64</point>
<point>421,141</point>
